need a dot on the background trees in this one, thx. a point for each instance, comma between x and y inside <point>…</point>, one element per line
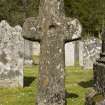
<point>15,11</point>
<point>91,13</point>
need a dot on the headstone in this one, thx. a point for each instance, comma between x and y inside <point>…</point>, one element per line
<point>52,29</point>
<point>36,48</point>
<point>72,51</point>
<point>69,54</point>
<point>91,51</point>
<point>99,69</point>
<point>36,53</point>
<point>99,79</point>
<point>83,52</point>
<point>28,52</point>
<point>80,53</point>
<point>76,53</point>
<point>11,56</point>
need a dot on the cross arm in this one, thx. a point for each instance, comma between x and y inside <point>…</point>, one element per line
<point>31,29</point>
<point>73,30</point>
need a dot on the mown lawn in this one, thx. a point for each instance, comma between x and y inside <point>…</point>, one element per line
<point>77,83</point>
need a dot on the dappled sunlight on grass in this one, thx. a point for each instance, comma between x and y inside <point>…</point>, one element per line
<point>78,81</point>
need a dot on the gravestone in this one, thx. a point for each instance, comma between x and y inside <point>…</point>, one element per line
<point>76,53</point>
<point>36,48</point>
<point>72,52</point>
<point>99,69</point>
<point>28,52</point>
<point>11,55</point>
<point>98,97</point>
<point>36,53</point>
<point>81,53</point>
<point>69,54</point>
<point>91,51</point>
<point>52,29</point>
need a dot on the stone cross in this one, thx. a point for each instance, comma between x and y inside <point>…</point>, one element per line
<point>52,29</point>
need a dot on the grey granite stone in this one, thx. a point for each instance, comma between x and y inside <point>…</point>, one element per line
<point>91,51</point>
<point>11,55</point>
<point>28,52</point>
<point>52,29</point>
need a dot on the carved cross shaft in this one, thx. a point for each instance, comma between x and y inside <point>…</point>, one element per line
<point>52,29</point>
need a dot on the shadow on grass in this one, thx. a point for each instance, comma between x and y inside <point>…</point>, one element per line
<point>28,81</point>
<point>86,84</point>
<point>71,95</point>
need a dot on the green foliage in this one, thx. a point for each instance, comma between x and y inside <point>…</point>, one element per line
<point>77,83</point>
<point>15,11</point>
<point>91,14</point>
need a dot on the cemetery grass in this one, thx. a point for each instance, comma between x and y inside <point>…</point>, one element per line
<point>77,83</point>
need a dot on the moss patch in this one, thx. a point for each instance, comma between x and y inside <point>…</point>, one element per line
<point>98,98</point>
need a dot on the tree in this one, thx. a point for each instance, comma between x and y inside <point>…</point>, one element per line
<point>15,11</point>
<point>89,12</point>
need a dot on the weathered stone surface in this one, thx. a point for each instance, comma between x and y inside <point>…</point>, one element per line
<point>99,79</point>
<point>28,52</point>
<point>36,48</point>
<point>72,52</point>
<point>91,51</point>
<point>52,29</point>
<point>69,54</point>
<point>84,53</point>
<point>99,70</point>
<point>11,55</point>
<point>81,46</point>
<point>36,53</point>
